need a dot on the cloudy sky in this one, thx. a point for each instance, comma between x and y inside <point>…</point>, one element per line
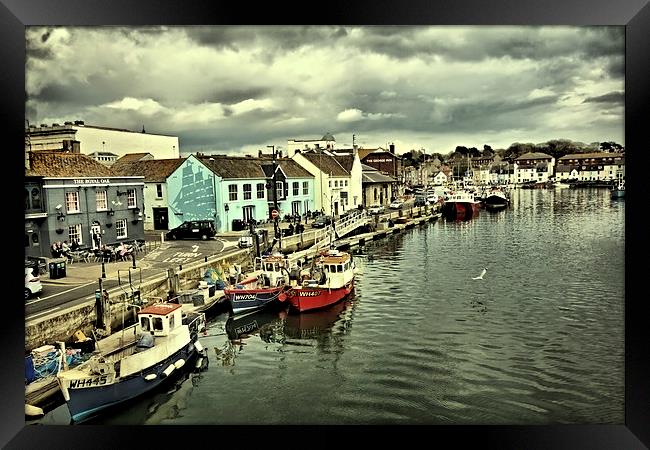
<point>233,89</point>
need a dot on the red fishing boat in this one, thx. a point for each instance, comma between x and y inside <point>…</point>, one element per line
<point>461,205</point>
<point>330,280</point>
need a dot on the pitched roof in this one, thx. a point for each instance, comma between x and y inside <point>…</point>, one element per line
<point>346,161</point>
<point>246,167</point>
<point>133,157</point>
<point>326,163</point>
<point>533,155</point>
<point>231,167</point>
<point>294,170</point>
<point>376,177</point>
<point>153,170</point>
<point>591,155</point>
<point>62,164</point>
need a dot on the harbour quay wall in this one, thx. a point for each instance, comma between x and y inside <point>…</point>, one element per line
<point>62,324</point>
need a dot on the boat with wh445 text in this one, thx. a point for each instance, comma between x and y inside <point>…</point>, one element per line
<point>133,361</point>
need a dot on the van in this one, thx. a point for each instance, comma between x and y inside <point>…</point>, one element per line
<point>193,229</point>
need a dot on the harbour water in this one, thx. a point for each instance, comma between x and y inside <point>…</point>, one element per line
<point>540,340</point>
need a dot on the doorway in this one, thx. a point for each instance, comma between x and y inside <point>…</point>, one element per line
<point>95,236</point>
<point>160,219</point>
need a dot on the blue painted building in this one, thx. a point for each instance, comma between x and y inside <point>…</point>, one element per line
<point>227,188</point>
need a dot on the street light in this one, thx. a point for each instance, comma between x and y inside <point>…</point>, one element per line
<point>274,189</point>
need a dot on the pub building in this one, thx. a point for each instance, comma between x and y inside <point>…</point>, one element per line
<point>71,197</point>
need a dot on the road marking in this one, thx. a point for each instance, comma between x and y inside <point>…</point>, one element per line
<point>44,312</point>
<point>195,248</point>
<point>40,299</point>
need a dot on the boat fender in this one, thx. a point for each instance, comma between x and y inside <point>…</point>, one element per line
<point>180,363</point>
<point>151,376</point>
<point>33,411</point>
<point>198,346</point>
<point>168,370</point>
<point>198,363</point>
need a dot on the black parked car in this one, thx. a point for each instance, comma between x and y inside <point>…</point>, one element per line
<point>194,229</point>
<point>322,222</point>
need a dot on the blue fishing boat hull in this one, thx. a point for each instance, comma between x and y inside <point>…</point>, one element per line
<point>247,300</point>
<point>88,402</point>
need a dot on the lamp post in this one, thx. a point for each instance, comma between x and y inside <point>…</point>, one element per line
<point>274,189</point>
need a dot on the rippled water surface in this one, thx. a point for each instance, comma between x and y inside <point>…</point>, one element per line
<point>538,341</point>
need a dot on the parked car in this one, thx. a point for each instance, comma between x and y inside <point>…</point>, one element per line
<point>245,241</point>
<point>377,209</point>
<point>322,222</point>
<point>33,284</point>
<point>397,204</point>
<point>194,229</point>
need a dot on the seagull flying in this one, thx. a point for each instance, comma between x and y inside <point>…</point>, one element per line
<point>480,277</point>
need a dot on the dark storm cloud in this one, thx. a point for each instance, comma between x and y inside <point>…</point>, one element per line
<point>275,37</point>
<point>237,95</point>
<point>610,97</point>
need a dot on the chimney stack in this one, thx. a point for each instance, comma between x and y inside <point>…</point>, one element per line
<point>391,148</point>
<point>259,153</point>
<point>280,154</point>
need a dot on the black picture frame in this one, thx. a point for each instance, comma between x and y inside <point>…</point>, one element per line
<point>633,14</point>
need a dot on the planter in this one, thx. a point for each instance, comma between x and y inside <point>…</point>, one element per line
<point>108,225</point>
<point>59,231</point>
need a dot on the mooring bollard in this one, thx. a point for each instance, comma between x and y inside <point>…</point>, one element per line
<point>133,257</point>
<point>103,270</point>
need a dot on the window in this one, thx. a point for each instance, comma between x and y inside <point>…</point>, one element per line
<point>346,182</point>
<point>336,183</point>
<point>260,190</point>
<point>72,201</point>
<point>171,322</point>
<point>74,233</point>
<point>305,188</point>
<point>157,324</point>
<point>296,188</point>
<point>120,228</point>
<point>26,199</point>
<point>144,323</point>
<point>101,200</point>
<point>375,194</point>
<point>247,192</point>
<point>35,238</point>
<point>36,199</point>
<point>344,198</point>
<point>130,198</point>
<point>330,183</point>
<point>159,190</point>
<point>232,192</point>
<point>279,189</point>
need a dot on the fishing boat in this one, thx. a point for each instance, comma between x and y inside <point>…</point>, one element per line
<point>461,205</point>
<point>496,199</point>
<point>263,287</point>
<point>329,280</point>
<point>618,191</point>
<point>131,362</point>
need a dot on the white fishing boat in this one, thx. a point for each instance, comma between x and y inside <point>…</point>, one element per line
<point>618,191</point>
<point>131,362</point>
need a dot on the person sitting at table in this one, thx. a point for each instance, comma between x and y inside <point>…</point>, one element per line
<point>74,246</point>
